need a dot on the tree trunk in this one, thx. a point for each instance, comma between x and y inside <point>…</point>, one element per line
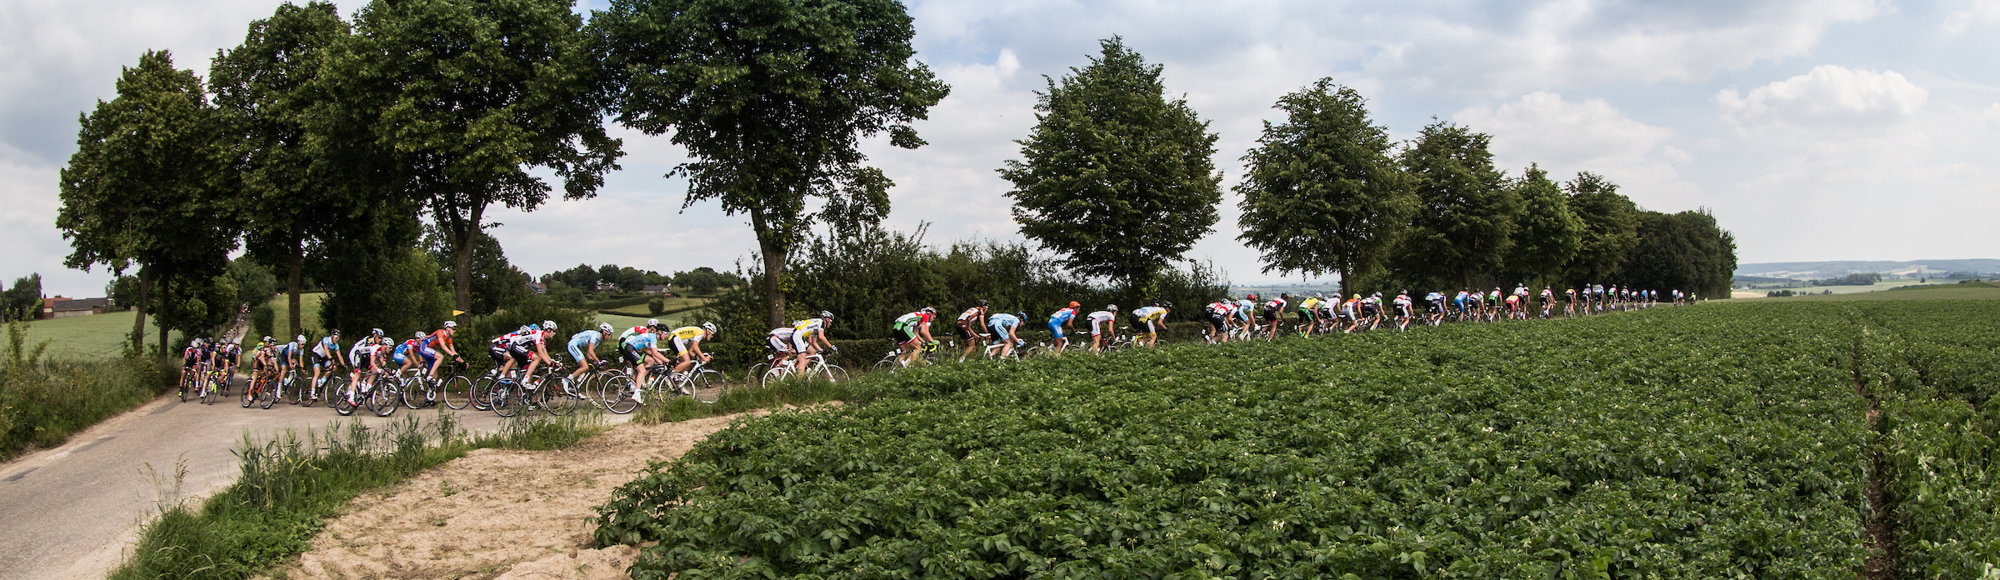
<point>292,285</point>
<point>139,321</point>
<point>166,282</point>
<point>774,251</point>
<point>463,235</point>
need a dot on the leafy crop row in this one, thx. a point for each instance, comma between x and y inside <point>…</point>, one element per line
<point>1690,443</point>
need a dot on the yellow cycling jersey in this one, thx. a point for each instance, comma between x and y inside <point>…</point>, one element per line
<point>687,333</point>
<point>1309,303</point>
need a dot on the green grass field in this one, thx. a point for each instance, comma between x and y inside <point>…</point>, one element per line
<point>308,313</point>
<point>1966,291</point>
<point>675,303</point>
<point>85,338</point>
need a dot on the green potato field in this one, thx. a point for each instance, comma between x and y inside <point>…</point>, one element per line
<point>1719,441</point>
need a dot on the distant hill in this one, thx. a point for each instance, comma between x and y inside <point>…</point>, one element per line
<point>1815,270</point>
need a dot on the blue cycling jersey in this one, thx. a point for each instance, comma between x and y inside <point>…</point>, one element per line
<point>1002,322</point>
<point>1062,316</point>
<point>641,341</point>
<point>585,339</point>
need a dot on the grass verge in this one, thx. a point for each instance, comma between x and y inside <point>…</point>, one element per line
<point>292,484</point>
<point>42,403</point>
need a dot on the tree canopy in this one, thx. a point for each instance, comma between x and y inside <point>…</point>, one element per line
<point>771,98</point>
<point>1465,209</point>
<point>1322,193</point>
<point>1610,227</point>
<point>1116,178</point>
<point>1546,235</point>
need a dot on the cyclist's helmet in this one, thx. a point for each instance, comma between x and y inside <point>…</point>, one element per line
<point>301,339</point>
<point>979,303</point>
<point>1073,304</point>
<point>1021,315</point>
<point>549,325</point>
<point>1167,305</point>
<point>1250,296</point>
<point>604,327</point>
<point>929,310</point>
<point>828,314</point>
<point>267,340</point>
<point>1111,308</point>
<point>376,332</point>
<point>335,333</point>
<point>533,328</point>
<point>419,336</point>
<point>451,324</point>
<point>1284,296</point>
<point>708,326</point>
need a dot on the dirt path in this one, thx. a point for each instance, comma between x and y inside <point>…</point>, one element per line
<point>498,513</point>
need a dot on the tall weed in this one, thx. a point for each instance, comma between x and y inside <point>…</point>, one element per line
<point>43,402</point>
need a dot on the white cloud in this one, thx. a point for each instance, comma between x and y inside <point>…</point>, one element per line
<point>1566,137</point>
<point>1971,13</point>
<point>1830,96</point>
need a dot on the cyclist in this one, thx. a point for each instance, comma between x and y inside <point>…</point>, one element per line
<point>808,338</point>
<point>1569,301</point>
<point>1059,321</point>
<point>361,359</point>
<point>1103,325</point>
<point>539,353</point>
<point>1245,311</point>
<point>439,340</point>
<point>1153,319</point>
<point>971,325</point>
<point>1219,312</point>
<point>1434,307</point>
<point>405,354</point>
<point>227,359</point>
<point>290,354</point>
<point>909,329</point>
<point>583,349</point>
<point>1371,309</point>
<point>1405,310</point>
<point>1597,297</point>
<point>641,350</point>
<point>1272,310</point>
<point>1308,314</point>
<point>326,358</point>
<point>1004,326</point>
<point>686,344</point>
<point>501,350</point>
<point>192,359</point>
<point>1513,306</point>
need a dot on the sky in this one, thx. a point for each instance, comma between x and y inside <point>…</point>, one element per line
<point>1812,129</point>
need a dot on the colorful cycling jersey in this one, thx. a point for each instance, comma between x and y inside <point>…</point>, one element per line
<point>911,321</point>
<point>585,340</point>
<point>441,337</point>
<point>1149,313</point>
<point>642,341</point>
<point>528,339</point>
<point>409,346</point>
<point>1245,305</point>
<point>1275,304</point>
<point>1493,297</point>
<point>784,332</point>
<point>809,327</point>
<point>694,333</point>
<point>1221,308</point>
<point>1100,317</point>
<point>969,314</point>
<point>1403,301</point>
<point>1513,300</point>
<point>1062,316</point>
<point>1000,321</point>
<point>1434,297</point>
<point>1308,304</point>
<point>326,347</point>
<point>361,351</point>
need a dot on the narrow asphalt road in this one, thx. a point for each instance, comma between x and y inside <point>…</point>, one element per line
<point>74,511</point>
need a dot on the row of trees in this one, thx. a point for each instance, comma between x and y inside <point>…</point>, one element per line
<point>319,142</point>
<point>22,300</point>
<point>1116,178</point>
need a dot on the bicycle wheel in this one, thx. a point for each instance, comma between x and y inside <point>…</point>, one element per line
<point>556,399</point>
<point>417,391</point>
<point>342,401</point>
<point>208,392</point>
<point>887,364</point>
<point>708,386</point>
<point>756,370</point>
<point>618,394</point>
<point>836,374</point>
<point>482,393</point>
<point>504,400</point>
<point>456,392</point>
<point>387,396</point>
<point>250,393</point>
<point>777,373</point>
<point>268,394</point>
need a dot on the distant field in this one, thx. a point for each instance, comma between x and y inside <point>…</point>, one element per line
<point>674,303</point>
<point>622,322</point>
<point>1760,289</point>
<point>1968,291</point>
<point>308,313</point>
<point>87,337</point>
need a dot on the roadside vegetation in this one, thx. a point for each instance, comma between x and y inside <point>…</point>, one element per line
<point>293,483</point>
<point>1767,439</point>
<point>43,401</point>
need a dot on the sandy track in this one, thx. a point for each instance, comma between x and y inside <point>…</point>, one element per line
<point>498,513</point>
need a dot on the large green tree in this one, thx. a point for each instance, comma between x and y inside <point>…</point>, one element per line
<point>463,98</point>
<point>1322,194</point>
<point>1546,235</point>
<point>496,283</point>
<point>1465,210</point>
<point>267,90</point>
<point>1117,178</point>
<point>1686,251</point>
<point>1610,227</point>
<point>146,185</point>
<point>23,300</point>
<point>771,98</point>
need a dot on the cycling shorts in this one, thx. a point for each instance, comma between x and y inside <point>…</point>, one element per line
<point>801,342</point>
<point>681,346</point>
<point>1218,320</point>
<point>1102,327</point>
<point>1000,330</point>
<point>576,354</point>
<point>1270,314</point>
<point>965,330</point>
<point>1056,328</point>
<point>498,354</point>
<point>778,343</point>
<point>320,361</point>
<point>901,335</point>
<point>631,354</point>
<point>429,354</point>
<point>399,360</point>
<point>1308,314</point>
<point>1243,314</point>
<point>1145,325</point>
